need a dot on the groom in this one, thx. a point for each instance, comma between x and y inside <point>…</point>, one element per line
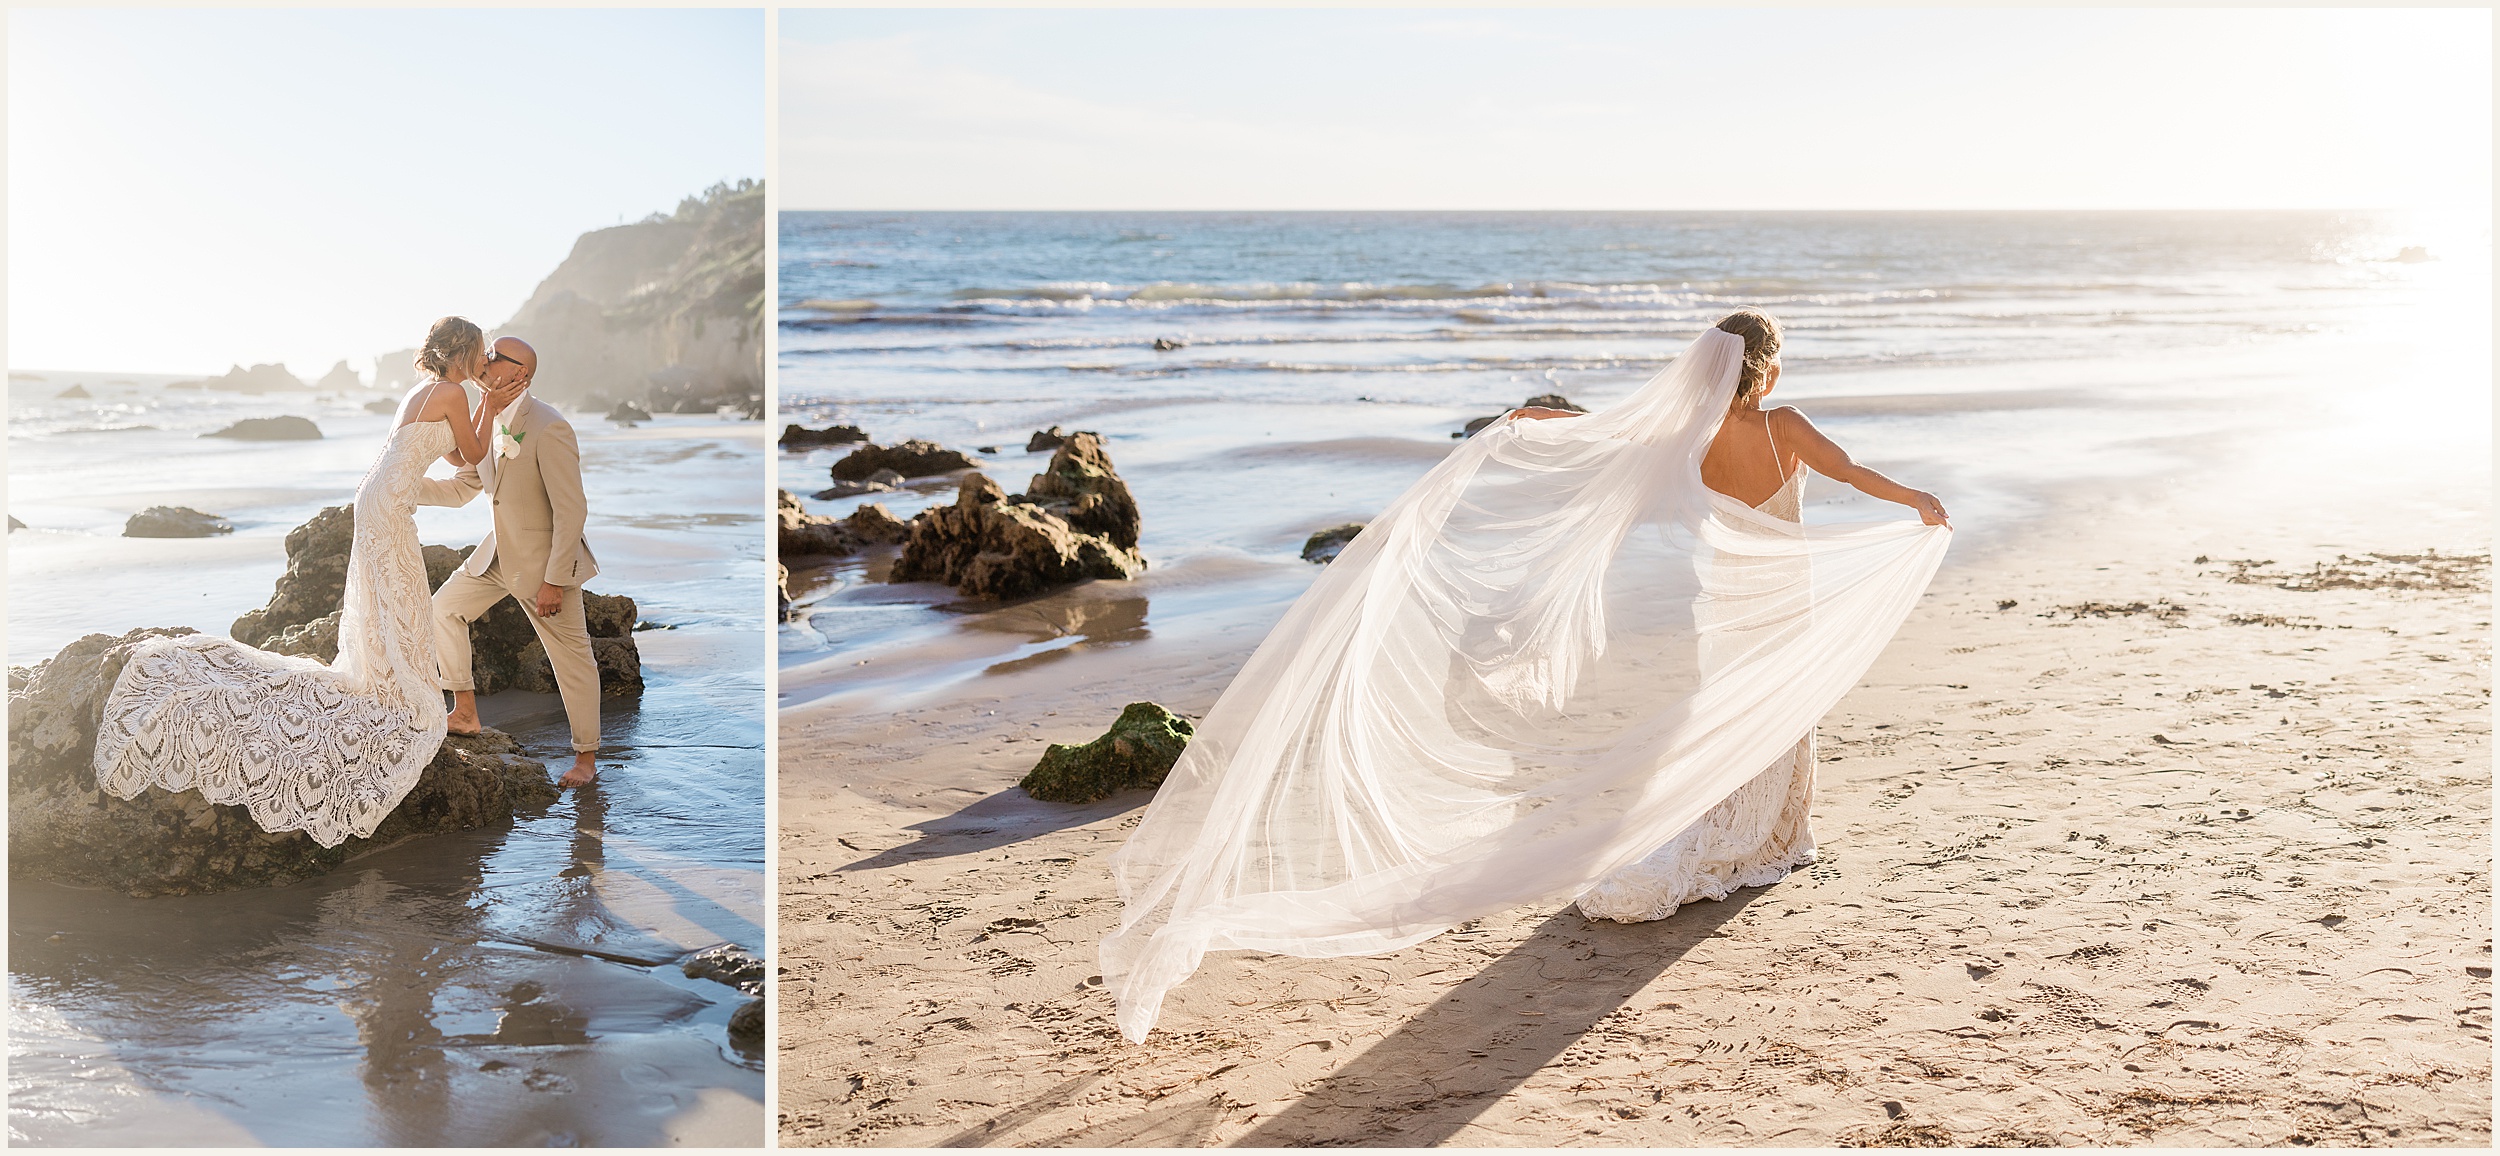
<point>534,554</point>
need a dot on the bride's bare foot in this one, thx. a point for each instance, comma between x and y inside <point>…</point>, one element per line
<point>585,768</point>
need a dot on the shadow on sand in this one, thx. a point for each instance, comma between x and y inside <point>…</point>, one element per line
<point>997,820</point>
<point>1479,1042</point>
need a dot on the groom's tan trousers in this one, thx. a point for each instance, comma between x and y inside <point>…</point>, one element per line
<point>566,637</point>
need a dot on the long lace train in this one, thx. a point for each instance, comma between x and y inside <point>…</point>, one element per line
<point>326,750</point>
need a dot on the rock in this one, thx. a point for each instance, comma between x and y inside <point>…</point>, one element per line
<point>62,828</point>
<point>302,616</point>
<point>174,522</point>
<point>1168,344</point>
<point>1137,752</point>
<point>74,393</point>
<point>804,534</point>
<point>727,963</point>
<point>1044,439</point>
<point>315,581</point>
<point>746,1025</point>
<point>1324,546</point>
<point>873,523</point>
<point>628,413</point>
<point>340,378</point>
<point>15,525</point>
<point>798,436</point>
<point>883,481</point>
<point>781,584</point>
<point>1081,487</point>
<point>382,405</point>
<point>1542,400</point>
<point>270,429</point>
<point>912,459</point>
<point>753,408</point>
<point>985,449</point>
<point>257,379</point>
<point>1076,522</point>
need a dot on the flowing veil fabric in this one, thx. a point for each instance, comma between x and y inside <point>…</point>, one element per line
<point>1540,663</point>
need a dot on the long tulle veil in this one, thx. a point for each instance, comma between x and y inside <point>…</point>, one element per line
<point>1498,693</point>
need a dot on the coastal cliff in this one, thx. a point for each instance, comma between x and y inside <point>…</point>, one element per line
<point>668,311</point>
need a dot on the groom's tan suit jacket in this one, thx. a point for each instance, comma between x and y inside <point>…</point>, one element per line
<point>538,503</point>
<point>537,537</point>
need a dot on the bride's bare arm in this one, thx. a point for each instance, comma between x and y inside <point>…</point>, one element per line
<point>1828,459</point>
<point>447,402</point>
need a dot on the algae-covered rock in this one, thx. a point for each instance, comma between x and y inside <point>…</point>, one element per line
<point>1138,751</point>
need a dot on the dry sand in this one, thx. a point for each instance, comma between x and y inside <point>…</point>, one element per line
<point>2190,861</point>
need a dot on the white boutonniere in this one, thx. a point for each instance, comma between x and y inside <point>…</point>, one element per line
<point>508,440</point>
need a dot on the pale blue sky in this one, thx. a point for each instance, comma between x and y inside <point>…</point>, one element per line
<point>1634,108</point>
<point>190,188</point>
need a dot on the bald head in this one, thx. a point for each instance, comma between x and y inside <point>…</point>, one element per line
<point>514,361</point>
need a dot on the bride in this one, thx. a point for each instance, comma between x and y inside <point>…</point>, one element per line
<point>1580,660</point>
<point>326,750</point>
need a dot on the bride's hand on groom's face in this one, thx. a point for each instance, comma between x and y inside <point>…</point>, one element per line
<point>503,395</point>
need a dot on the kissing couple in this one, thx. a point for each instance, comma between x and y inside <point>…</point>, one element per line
<point>330,750</point>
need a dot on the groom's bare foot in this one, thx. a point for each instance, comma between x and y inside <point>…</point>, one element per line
<point>463,717</point>
<point>585,768</point>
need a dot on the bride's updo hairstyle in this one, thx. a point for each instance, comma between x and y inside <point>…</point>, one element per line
<point>1762,347</point>
<point>454,342</point>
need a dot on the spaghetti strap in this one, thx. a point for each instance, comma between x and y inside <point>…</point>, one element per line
<point>1776,466</point>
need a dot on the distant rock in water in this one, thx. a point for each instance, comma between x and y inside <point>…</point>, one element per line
<point>15,525</point>
<point>340,378</point>
<point>303,612</point>
<point>912,459</point>
<point>62,828</point>
<point>1136,753</point>
<point>270,429</point>
<point>382,405</point>
<point>1075,521</point>
<point>175,522</point>
<point>74,393</point>
<point>396,370</point>
<point>1324,546</point>
<point>1044,439</point>
<point>257,379</point>
<point>797,436</point>
<point>1540,401</point>
<point>883,481</point>
<point>1168,344</point>
<point>628,413</point>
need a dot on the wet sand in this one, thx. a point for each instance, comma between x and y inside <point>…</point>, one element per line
<point>2148,856</point>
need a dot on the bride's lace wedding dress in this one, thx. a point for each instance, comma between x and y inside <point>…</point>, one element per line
<point>326,750</point>
<point>1753,838</point>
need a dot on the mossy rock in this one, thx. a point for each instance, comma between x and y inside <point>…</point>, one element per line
<point>1138,751</point>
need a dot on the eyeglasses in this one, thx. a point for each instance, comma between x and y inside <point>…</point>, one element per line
<point>495,355</point>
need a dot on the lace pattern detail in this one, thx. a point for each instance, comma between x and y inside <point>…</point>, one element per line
<point>1752,839</point>
<point>326,750</point>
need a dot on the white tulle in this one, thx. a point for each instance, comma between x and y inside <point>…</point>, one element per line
<point>1553,654</point>
<point>326,750</point>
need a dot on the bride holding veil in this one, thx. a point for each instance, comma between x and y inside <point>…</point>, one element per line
<point>1580,660</point>
<point>326,750</point>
